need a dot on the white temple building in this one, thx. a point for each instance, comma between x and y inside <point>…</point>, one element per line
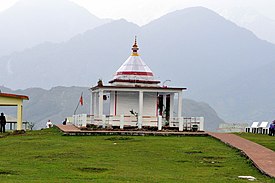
<point>135,98</point>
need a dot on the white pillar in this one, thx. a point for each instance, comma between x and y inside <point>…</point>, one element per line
<point>95,103</point>
<point>121,125</point>
<point>171,106</point>
<point>91,104</point>
<point>100,103</point>
<point>159,122</point>
<point>19,117</point>
<point>92,107</point>
<point>201,124</point>
<point>140,111</point>
<point>179,104</point>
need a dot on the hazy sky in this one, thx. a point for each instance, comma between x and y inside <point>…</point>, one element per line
<point>143,11</point>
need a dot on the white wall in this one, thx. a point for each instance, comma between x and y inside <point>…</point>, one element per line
<point>149,104</point>
<point>127,101</point>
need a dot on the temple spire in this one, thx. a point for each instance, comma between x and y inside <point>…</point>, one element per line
<point>135,48</point>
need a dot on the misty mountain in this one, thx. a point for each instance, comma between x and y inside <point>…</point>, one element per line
<point>60,102</point>
<point>259,24</point>
<point>78,62</point>
<point>32,22</point>
<point>247,97</point>
<point>194,48</point>
<point>200,46</point>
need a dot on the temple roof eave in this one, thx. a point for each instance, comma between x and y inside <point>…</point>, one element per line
<point>134,88</point>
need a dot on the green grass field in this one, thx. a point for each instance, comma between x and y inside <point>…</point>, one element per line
<point>264,140</point>
<point>47,156</point>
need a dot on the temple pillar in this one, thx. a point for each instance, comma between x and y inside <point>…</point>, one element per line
<point>100,103</point>
<point>95,104</point>
<point>179,104</point>
<point>171,106</point>
<point>140,111</point>
<point>91,104</point>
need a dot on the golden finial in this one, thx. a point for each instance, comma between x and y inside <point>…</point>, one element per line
<point>136,40</point>
<point>135,48</point>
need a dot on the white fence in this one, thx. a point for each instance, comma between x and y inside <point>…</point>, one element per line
<point>80,120</point>
<point>121,121</point>
<point>188,123</point>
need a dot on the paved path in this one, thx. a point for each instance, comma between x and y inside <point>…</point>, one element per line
<point>262,157</point>
<point>68,128</point>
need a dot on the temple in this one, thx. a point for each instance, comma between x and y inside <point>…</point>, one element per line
<point>134,97</point>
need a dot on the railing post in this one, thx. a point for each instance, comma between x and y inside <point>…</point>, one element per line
<point>103,121</point>
<point>121,122</point>
<point>139,121</point>
<point>159,123</point>
<point>181,124</point>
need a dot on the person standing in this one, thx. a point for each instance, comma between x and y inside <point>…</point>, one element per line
<point>65,121</point>
<point>49,124</point>
<point>3,123</point>
<point>272,128</point>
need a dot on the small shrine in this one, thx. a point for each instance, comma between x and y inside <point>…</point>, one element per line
<point>8,99</point>
<point>134,97</point>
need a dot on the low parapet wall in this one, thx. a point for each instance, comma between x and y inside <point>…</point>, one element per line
<point>122,121</point>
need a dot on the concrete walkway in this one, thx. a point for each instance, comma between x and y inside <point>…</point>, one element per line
<point>262,157</point>
<point>68,128</point>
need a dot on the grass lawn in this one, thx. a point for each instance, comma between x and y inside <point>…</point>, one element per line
<point>47,156</point>
<point>264,140</point>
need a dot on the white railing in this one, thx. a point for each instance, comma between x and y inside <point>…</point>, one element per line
<point>111,120</point>
<point>122,121</point>
<point>80,120</point>
<point>187,123</point>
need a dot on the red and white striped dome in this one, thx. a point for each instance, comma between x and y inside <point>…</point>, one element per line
<point>134,71</point>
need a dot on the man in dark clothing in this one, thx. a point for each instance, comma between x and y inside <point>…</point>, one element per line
<point>65,121</point>
<point>272,129</point>
<point>2,123</point>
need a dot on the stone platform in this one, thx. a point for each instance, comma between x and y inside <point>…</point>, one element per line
<point>73,130</point>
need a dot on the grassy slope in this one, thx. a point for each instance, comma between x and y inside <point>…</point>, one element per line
<point>264,140</point>
<point>46,156</point>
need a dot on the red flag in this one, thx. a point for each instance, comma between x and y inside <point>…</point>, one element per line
<point>81,100</point>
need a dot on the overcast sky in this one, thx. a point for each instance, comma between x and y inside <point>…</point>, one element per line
<point>143,11</point>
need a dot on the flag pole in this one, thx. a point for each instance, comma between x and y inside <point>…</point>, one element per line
<point>78,104</point>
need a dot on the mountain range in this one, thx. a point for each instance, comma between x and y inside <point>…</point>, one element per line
<point>262,26</point>
<point>32,22</point>
<point>220,63</point>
